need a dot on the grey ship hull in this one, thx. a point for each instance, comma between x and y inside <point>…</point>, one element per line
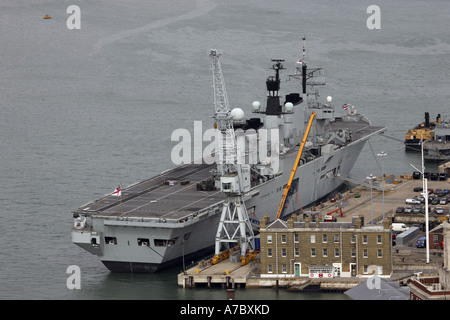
<point>116,238</point>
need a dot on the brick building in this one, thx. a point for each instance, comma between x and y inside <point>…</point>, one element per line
<point>325,249</point>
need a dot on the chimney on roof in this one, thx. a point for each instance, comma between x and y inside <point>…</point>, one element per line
<point>307,222</point>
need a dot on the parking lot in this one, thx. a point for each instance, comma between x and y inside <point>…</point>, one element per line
<point>362,201</point>
<point>438,199</point>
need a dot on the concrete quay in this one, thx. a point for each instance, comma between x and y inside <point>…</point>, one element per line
<point>225,273</point>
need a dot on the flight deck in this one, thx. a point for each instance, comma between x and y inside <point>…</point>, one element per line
<point>170,195</point>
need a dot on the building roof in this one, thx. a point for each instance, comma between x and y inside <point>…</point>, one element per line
<point>376,288</point>
<point>277,224</point>
<point>438,229</point>
<point>281,224</point>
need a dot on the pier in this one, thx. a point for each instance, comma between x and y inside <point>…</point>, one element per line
<point>360,201</point>
<point>227,273</point>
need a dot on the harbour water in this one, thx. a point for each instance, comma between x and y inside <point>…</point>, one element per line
<point>82,111</point>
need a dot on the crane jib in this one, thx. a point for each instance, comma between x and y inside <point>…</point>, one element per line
<point>283,204</point>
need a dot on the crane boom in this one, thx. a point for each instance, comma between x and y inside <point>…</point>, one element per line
<point>282,205</point>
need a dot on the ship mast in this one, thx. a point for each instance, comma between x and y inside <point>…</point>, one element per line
<point>234,225</point>
<point>304,67</point>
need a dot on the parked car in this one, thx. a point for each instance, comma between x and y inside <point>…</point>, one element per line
<point>399,227</point>
<point>400,210</point>
<point>418,189</point>
<point>408,209</point>
<point>421,242</point>
<point>412,201</point>
<point>435,201</point>
<point>443,201</point>
<point>438,210</point>
<point>417,210</point>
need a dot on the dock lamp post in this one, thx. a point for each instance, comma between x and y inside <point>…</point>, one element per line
<point>382,154</point>
<point>370,181</point>
<point>425,195</point>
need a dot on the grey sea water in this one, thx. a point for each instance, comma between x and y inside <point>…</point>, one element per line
<point>84,110</point>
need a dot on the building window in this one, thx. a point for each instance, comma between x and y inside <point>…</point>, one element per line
<point>380,253</point>
<point>336,252</point>
<point>269,252</point>
<point>435,238</point>
<point>313,238</point>
<point>365,269</point>
<point>353,252</point>
<point>336,238</point>
<point>269,238</point>
<point>325,252</point>
<point>284,268</point>
<point>365,254</point>
<point>297,252</point>
<point>269,268</point>
<point>296,238</point>
<point>313,252</point>
<point>283,238</point>
<point>364,240</point>
<point>324,238</point>
<point>379,239</point>
<point>283,252</point>
<point>353,238</point>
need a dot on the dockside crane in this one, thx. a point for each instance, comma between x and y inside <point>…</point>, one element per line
<point>288,190</point>
<point>234,226</point>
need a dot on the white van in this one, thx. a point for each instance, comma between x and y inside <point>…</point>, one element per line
<point>399,227</point>
<point>412,201</point>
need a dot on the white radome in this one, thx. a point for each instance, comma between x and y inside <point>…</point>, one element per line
<point>237,114</point>
<point>256,105</point>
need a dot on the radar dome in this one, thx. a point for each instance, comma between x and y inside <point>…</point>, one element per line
<point>329,98</point>
<point>256,105</point>
<point>237,114</point>
<point>289,106</point>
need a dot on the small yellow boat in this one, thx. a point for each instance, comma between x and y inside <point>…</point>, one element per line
<point>46,17</point>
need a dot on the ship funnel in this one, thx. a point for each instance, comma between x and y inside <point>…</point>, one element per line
<point>427,119</point>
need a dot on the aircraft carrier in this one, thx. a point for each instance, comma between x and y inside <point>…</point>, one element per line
<point>174,217</point>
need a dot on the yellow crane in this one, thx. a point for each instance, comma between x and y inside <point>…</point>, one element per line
<point>283,204</point>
